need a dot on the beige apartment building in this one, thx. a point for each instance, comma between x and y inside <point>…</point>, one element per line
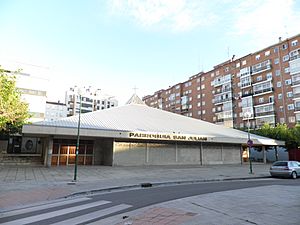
<point>262,87</point>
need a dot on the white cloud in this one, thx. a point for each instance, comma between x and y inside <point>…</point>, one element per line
<point>176,15</point>
<point>263,21</point>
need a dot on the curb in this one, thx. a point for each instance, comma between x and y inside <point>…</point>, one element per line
<point>157,184</point>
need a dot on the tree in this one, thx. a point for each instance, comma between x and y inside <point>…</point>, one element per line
<point>13,112</point>
<point>291,136</point>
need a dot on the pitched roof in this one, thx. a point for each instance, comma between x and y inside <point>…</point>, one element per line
<point>135,100</point>
<point>142,118</point>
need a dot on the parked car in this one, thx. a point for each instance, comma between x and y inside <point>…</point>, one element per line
<point>285,169</point>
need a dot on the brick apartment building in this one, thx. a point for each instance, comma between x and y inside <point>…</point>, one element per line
<point>263,87</point>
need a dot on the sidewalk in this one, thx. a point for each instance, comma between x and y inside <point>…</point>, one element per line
<point>27,185</point>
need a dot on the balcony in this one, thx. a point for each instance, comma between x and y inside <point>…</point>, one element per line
<point>296,81</point>
<point>261,114</point>
<point>295,54</point>
<point>219,101</point>
<point>263,91</point>
<point>297,108</point>
<point>261,67</point>
<point>297,95</point>
<point>247,94</point>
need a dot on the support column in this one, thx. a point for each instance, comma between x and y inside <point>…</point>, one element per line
<point>264,154</point>
<point>201,154</point>
<point>49,149</point>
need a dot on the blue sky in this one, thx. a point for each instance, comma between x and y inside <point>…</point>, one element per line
<point>117,45</point>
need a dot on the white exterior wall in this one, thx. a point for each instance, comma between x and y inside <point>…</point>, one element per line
<point>55,111</point>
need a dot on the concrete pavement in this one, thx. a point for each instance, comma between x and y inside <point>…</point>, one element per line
<point>20,186</point>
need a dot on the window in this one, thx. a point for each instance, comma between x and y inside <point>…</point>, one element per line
<point>227,69</point>
<point>276,49</point>
<point>288,82</point>
<point>244,62</point>
<point>202,78</point>
<point>261,100</point>
<point>277,73</point>
<point>198,88</point>
<point>203,103</point>
<point>203,94</point>
<point>289,94</point>
<point>284,46</point>
<point>295,42</point>
<point>271,99</point>
<point>279,96</point>
<point>237,65</point>
<point>281,120</point>
<point>259,78</point>
<point>292,119</point>
<point>276,61</point>
<point>213,109</point>
<point>281,108</point>
<point>198,104</point>
<point>285,58</point>
<point>203,111</point>
<point>257,57</point>
<point>212,74</point>
<point>290,106</point>
<point>267,53</point>
<point>278,84</point>
<point>199,96</point>
<point>287,70</point>
<point>198,80</point>
<point>269,76</point>
<point>202,86</point>
<point>217,72</point>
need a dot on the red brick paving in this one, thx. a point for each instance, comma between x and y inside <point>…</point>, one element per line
<point>159,216</point>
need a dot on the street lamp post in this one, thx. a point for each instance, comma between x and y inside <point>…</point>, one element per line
<point>249,142</point>
<point>77,144</point>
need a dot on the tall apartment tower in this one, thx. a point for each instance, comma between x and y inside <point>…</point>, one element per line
<point>262,87</point>
<point>91,100</point>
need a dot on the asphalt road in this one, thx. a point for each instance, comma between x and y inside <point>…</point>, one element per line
<point>100,206</point>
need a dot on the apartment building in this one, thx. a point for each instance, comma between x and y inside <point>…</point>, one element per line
<point>55,111</point>
<point>91,100</point>
<point>32,85</point>
<point>261,87</point>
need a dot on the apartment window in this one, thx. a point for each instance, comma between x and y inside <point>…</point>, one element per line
<point>287,70</point>
<point>199,104</point>
<point>269,76</point>
<point>227,69</point>
<point>279,96</point>
<point>276,49</point>
<point>178,86</point>
<point>267,53</point>
<point>257,57</point>
<point>244,62</point>
<point>278,84</point>
<point>190,106</point>
<point>281,108</point>
<point>295,42</point>
<point>284,46</point>
<point>289,94</point>
<point>259,78</point>
<point>203,112</point>
<point>203,94</point>
<point>191,98</point>
<point>285,58</point>
<point>277,73</point>
<point>281,120</point>
<point>237,65</point>
<point>213,109</point>
<point>199,96</point>
<point>217,72</point>
<point>290,106</point>
<point>276,61</point>
<point>271,99</point>
<point>261,100</point>
<point>199,112</point>
<point>292,119</point>
<point>288,82</point>
<point>203,103</point>
<point>198,80</point>
<point>177,94</point>
<point>212,74</point>
<point>202,86</point>
<point>202,78</point>
<point>198,88</point>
